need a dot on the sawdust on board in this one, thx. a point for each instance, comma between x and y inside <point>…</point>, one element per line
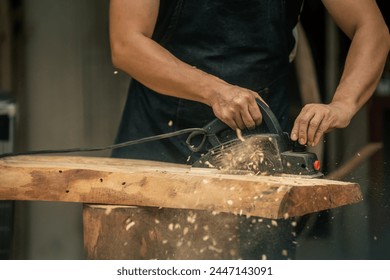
<point>252,154</point>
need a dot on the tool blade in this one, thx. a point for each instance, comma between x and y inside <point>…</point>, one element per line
<point>256,153</point>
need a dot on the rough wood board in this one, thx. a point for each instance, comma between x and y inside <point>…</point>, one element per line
<point>157,184</point>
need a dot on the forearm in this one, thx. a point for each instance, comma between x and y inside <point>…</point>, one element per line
<point>362,22</point>
<point>363,67</point>
<point>155,67</point>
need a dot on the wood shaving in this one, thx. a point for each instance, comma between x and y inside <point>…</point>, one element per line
<point>239,134</point>
<point>257,154</point>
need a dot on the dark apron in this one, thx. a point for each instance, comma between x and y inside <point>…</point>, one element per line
<point>244,42</point>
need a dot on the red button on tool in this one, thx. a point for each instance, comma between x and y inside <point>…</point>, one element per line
<point>317,165</point>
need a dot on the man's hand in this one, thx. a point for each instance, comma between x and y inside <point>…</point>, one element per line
<point>363,23</point>
<point>316,119</point>
<point>237,107</point>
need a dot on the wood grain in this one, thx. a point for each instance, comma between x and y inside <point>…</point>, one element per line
<point>157,184</point>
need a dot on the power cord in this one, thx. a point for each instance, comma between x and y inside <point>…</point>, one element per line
<point>114,146</point>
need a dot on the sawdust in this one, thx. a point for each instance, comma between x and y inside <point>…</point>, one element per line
<point>191,235</point>
<point>294,223</point>
<point>239,134</point>
<point>212,248</point>
<point>129,224</point>
<point>255,154</point>
<point>191,218</point>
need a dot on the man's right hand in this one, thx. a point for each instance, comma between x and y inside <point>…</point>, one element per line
<point>237,107</point>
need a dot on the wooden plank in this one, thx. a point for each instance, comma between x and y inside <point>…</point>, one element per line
<point>157,184</point>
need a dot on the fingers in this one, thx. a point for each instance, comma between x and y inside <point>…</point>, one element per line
<point>255,113</point>
<point>238,108</point>
<point>249,117</point>
<point>313,122</point>
<point>305,126</point>
<point>314,130</point>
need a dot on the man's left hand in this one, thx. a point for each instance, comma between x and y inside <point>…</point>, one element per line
<point>317,119</point>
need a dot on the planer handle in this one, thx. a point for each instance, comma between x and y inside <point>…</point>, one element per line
<point>217,126</point>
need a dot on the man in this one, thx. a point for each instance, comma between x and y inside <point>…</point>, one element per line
<point>194,60</point>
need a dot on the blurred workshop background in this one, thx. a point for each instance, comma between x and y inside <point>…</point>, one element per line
<point>58,89</point>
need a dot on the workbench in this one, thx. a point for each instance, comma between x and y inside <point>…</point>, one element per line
<point>135,209</point>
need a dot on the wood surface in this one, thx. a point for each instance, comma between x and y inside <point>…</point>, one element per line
<point>157,184</point>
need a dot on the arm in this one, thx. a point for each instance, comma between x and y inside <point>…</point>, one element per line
<point>363,23</point>
<point>133,51</point>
